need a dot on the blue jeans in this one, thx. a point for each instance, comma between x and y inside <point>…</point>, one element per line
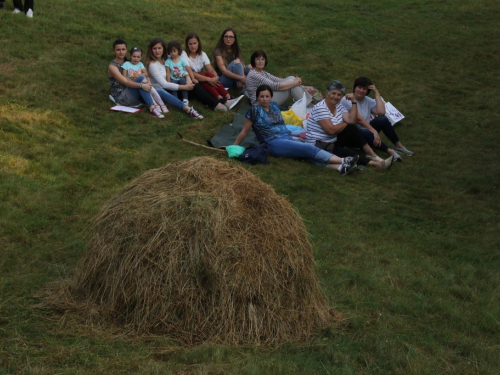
<point>233,68</point>
<point>139,94</point>
<point>180,81</point>
<point>380,123</point>
<point>287,147</point>
<point>170,99</point>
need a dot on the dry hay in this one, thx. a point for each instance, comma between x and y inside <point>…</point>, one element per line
<point>202,251</point>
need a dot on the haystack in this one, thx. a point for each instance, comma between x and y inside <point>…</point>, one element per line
<point>203,251</point>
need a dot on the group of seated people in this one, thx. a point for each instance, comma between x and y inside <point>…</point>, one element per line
<point>341,132</point>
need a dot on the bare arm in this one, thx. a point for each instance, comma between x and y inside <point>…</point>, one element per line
<point>168,73</point>
<point>365,124</point>
<point>191,74</point>
<point>227,73</point>
<point>285,85</point>
<point>115,73</point>
<point>330,129</point>
<point>244,132</point>
<point>379,109</point>
<point>351,117</point>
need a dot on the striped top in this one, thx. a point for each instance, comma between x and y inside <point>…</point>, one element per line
<point>320,112</point>
<point>255,79</point>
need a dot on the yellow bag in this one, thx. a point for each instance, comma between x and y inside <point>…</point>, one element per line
<point>291,118</point>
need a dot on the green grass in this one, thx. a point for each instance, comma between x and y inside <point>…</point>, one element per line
<point>411,257</point>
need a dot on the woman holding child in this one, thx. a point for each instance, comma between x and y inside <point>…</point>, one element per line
<point>155,62</point>
<point>269,127</point>
<point>129,92</point>
<point>208,79</point>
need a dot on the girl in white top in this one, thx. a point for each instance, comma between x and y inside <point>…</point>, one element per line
<point>208,79</point>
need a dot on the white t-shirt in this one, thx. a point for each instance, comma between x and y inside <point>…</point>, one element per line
<point>365,107</point>
<point>198,63</point>
<point>320,112</point>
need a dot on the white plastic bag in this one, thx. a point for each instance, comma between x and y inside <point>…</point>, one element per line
<point>300,107</point>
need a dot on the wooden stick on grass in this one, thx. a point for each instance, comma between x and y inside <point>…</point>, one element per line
<point>200,145</point>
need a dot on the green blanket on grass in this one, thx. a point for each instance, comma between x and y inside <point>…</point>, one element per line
<point>228,133</point>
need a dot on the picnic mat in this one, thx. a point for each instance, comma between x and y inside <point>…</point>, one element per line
<point>228,133</point>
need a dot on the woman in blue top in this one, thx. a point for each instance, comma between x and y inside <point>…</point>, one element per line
<point>269,127</point>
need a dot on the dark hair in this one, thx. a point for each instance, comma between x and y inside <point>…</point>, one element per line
<point>191,36</point>
<point>174,44</point>
<point>259,53</point>
<point>263,88</point>
<point>135,49</point>
<point>149,56</point>
<point>119,41</point>
<point>222,47</point>
<point>363,82</point>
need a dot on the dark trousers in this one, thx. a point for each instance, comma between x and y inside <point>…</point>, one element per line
<point>381,124</point>
<point>348,141</point>
<point>28,4</point>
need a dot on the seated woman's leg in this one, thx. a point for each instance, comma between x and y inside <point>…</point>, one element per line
<point>382,123</point>
<point>203,96</point>
<point>170,99</point>
<point>286,147</point>
<point>351,137</point>
<point>134,96</point>
<point>370,139</point>
<point>344,152</point>
<point>233,68</point>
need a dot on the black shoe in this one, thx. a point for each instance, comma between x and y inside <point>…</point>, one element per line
<point>348,165</point>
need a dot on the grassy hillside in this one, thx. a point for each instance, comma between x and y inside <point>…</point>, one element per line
<point>410,257</point>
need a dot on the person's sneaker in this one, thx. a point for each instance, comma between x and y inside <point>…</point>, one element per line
<point>155,112</point>
<point>220,108</point>
<point>16,11</point>
<point>232,103</point>
<point>403,150</point>
<point>186,102</point>
<point>348,165</point>
<point>29,13</point>
<point>192,113</point>
<point>351,159</point>
<point>397,157</point>
<point>164,108</point>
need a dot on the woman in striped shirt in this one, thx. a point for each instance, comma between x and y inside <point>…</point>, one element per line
<point>331,127</point>
<point>282,87</point>
<point>269,127</point>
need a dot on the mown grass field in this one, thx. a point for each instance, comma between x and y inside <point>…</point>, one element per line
<point>410,257</point>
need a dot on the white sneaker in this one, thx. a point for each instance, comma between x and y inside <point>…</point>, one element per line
<point>403,150</point>
<point>29,13</point>
<point>16,11</point>
<point>186,102</point>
